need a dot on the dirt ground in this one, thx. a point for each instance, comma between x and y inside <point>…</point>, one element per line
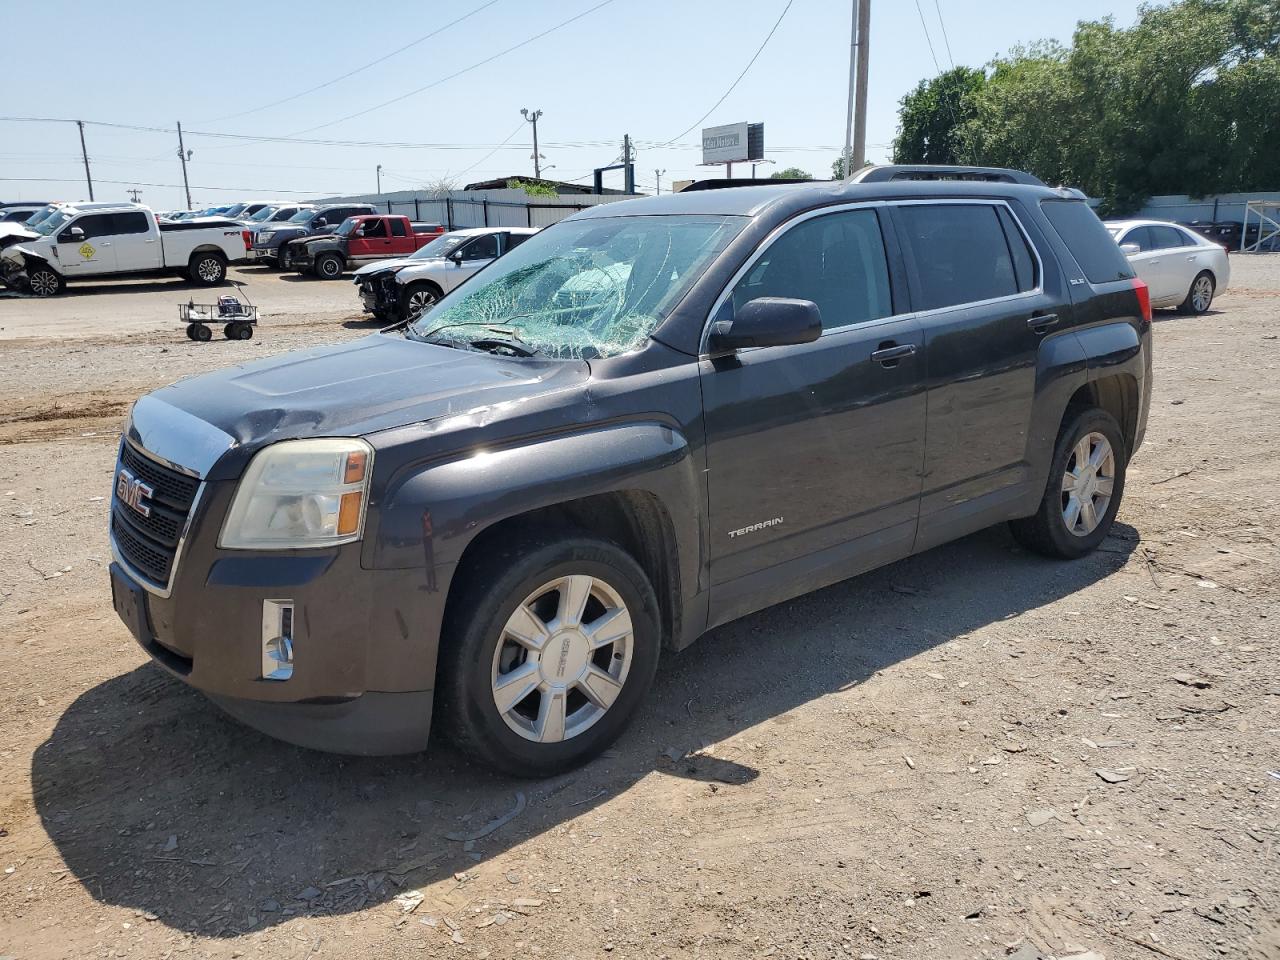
<point>972,753</point>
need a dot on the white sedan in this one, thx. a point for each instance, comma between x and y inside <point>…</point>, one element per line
<point>1180,268</point>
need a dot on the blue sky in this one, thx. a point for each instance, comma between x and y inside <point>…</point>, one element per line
<point>650,69</point>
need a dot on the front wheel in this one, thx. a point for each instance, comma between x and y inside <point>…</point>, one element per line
<point>44,282</point>
<point>1200,295</point>
<point>207,269</point>
<point>328,266</point>
<point>1086,482</point>
<point>547,653</point>
<point>418,299</point>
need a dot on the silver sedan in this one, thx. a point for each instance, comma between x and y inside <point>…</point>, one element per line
<point>1180,268</point>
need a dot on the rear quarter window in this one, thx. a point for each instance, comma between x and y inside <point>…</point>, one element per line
<point>1094,249</point>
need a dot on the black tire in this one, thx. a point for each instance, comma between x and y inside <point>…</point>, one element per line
<point>329,266</point>
<point>493,588</point>
<point>243,331</point>
<point>191,330</point>
<point>43,282</point>
<point>1046,531</point>
<point>424,293</point>
<point>201,334</point>
<point>207,269</point>
<point>1196,303</point>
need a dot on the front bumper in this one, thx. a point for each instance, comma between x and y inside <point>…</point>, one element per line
<point>380,294</point>
<point>364,641</point>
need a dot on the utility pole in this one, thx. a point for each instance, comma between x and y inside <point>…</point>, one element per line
<point>379,179</point>
<point>657,176</point>
<point>532,116</point>
<point>85,153</point>
<point>134,193</point>
<point>184,155</point>
<point>860,102</point>
<point>855,131</point>
<point>628,164</point>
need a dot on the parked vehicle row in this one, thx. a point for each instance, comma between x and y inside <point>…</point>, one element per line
<point>652,418</point>
<point>270,239</point>
<point>1181,268</point>
<point>73,242</point>
<point>359,240</point>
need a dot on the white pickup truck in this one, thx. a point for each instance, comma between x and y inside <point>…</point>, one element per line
<point>120,240</point>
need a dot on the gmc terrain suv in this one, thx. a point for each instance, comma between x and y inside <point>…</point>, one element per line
<point>653,417</point>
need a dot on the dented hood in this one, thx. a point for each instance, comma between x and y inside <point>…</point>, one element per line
<point>361,387</point>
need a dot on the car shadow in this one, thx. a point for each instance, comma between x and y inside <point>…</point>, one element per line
<point>157,802</point>
<point>78,289</point>
<point>295,277</point>
<point>1165,314</point>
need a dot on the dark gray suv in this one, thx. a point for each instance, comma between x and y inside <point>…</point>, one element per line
<point>651,418</point>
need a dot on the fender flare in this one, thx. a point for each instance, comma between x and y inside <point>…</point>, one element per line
<point>428,514</point>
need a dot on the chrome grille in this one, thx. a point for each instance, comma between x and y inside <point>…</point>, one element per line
<point>149,542</point>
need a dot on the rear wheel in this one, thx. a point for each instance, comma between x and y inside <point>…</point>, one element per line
<point>207,269</point>
<point>549,650</point>
<point>328,266</point>
<point>1086,482</point>
<point>1200,295</point>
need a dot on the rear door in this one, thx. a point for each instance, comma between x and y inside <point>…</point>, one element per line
<point>984,306</point>
<point>91,254</point>
<point>814,450</point>
<point>137,246</point>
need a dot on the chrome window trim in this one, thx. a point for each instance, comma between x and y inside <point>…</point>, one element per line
<point>782,228</point>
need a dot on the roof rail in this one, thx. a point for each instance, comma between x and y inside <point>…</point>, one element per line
<point>883,174</point>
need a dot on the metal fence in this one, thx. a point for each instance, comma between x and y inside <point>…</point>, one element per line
<point>481,208</point>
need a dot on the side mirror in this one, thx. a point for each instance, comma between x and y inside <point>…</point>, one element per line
<point>319,222</point>
<point>767,322</point>
<point>456,258</point>
<point>72,235</point>
<point>1129,249</point>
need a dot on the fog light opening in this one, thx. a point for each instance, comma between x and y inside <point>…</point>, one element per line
<point>277,639</point>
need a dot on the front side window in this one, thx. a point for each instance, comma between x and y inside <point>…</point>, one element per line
<point>960,252</point>
<point>587,288</point>
<point>95,225</point>
<point>836,260</point>
<point>373,228</point>
<point>1140,237</point>
<point>481,248</point>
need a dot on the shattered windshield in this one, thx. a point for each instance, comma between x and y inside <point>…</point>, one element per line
<point>347,227</point>
<point>585,289</point>
<point>441,246</point>
<point>53,223</point>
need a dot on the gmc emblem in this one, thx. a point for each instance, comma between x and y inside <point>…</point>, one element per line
<point>133,493</point>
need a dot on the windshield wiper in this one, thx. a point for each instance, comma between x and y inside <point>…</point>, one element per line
<point>506,340</point>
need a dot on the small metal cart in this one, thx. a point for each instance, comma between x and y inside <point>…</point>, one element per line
<point>238,319</point>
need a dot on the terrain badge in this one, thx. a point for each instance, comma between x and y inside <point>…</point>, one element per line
<point>86,250</point>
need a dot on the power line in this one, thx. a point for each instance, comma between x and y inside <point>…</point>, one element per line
<point>927,38</point>
<point>352,73</point>
<point>176,186</point>
<point>945,38</point>
<point>510,136</point>
<point>458,73</point>
<point>755,56</point>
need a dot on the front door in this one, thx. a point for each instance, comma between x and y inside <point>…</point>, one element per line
<point>91,254</point>
<point>471,257</point>
<point>986,303</point>
<point>1151,263</point>
<point>814,451</point>
<point>370,241</point>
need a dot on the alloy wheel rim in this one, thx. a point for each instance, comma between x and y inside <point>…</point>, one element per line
<point>209,270</point>
<point>330,268</point>
<point>420,301</point>
<point>43,284</point>
<point>1202,294</point>
<point>1088,484</point>
<point>562,658</point>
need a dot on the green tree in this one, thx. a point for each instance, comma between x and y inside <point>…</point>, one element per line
<point>931,118</point>
<point>791,173</point>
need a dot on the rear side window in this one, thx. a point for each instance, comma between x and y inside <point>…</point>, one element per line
<point>515,239</point>
<point>1080,229</point>
<point>397,228</point>
<point>129,223</point>
<point>1168,237</point>
<point>961,253</point>
<point>836,260</point>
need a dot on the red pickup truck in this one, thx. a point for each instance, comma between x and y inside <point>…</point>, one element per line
<point>360,240</point>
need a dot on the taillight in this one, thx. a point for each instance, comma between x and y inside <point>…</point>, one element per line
<point>248,238</point>
<point>1144,299</point>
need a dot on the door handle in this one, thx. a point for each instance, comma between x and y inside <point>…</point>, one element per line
<point>150,240</point>
<point>889,353</point>
<point>1042,322</point>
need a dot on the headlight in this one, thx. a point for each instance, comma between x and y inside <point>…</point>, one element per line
<point>301,493</point>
